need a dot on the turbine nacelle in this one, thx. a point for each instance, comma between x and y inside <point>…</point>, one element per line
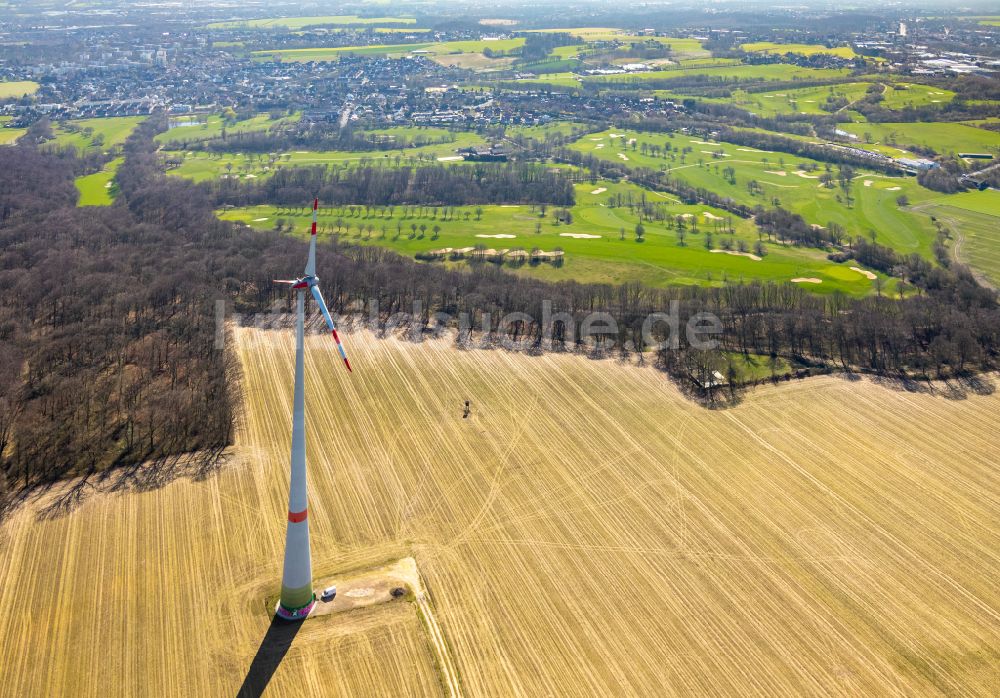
<point>300,283</point>
<point>311,281</point>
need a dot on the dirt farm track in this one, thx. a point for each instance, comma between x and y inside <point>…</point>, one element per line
<point>586,532</point>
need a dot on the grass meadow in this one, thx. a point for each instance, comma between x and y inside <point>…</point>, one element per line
<point>703,164</point>
<point>94,135</point>
<point>17,88</point>
<point>802,49</point>
<point>600,245</point>
<point>943,138</point>
<point>198,128</point>
<point>296,23</point>
<point>98,189</point>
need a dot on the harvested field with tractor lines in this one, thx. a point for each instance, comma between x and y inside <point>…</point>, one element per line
<point>585,531</point>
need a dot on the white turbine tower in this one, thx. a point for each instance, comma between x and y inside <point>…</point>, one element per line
<point>297,597</point>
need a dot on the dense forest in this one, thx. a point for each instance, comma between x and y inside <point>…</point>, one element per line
<point>108,352</point>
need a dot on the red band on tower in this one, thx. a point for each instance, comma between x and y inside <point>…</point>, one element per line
<point>297,516</point>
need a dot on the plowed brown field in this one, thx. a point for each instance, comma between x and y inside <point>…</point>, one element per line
<point>587,531</point>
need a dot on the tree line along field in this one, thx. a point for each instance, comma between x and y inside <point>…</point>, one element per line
<point>296,23</point>
<point>600,244</point>
<point>443,48</point>
<point>97,189</point>
<point>975,218</point>
<point>942,138</point>
<point>191,129</point>
<point>771,71</point>
<point>9,136</point>
<point>587,531</point>
<point>703,163</point>
<point>203,166</point>
<point>90,136</point>
<point>93,135</point>
<point>802,49</point>
<point>810,100</point>
<point>713,68</point>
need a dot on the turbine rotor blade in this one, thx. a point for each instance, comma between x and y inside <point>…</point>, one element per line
<point>311,262</point>
<point>318,295</point>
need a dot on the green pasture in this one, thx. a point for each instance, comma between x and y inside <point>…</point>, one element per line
<point>563,82</point>
<point>98,189</point>
<point>93,135</point>
<point>591,33</point>
<point>295,23</point>
<point>12,89</point>
<point>444,48</point>
<point>8,136</point>
<point>774,71</point>
<point>941,137</point>
<point>192,129</point>
<point>659,260</point>
<point>974,220</point>
<point>703,163</point>
<point>407,134</point>
<point>801,49</point>
<point>200,166</point>
<point>806,100</point>
<point>901,95</point>
<point>540,133</point>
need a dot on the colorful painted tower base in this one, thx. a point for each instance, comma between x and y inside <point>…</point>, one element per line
<point>295,613</point>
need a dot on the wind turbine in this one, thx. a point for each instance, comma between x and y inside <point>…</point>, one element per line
<point>297,597</point>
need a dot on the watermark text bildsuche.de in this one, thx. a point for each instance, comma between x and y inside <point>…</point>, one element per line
<point>660,330</point>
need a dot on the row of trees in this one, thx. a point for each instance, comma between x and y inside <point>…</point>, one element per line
<point>475,183</point>
<point>109,351</point>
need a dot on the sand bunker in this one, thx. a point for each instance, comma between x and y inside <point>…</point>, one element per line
<point>865,272</point>
<point>711,216</point>
<point>597,139</point>
<point>713,152</point>
<point>803,175</point>
<point>599,145</point>
<point>258,220</point>
<point>780,173</point>
<point>579,236</point>
<point>868,182</point>
<point>623,156</point>
<point>687,215</point>
<point>753,150</point>
<point>806,280</point>
<point>510,205</point>
<point>448,158</point>
<point>498,235</point>
<point>599,190</point>
<point>893,188</point>
<point>615,135</point>
<point>703,142</point>
<point>739,254</point>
